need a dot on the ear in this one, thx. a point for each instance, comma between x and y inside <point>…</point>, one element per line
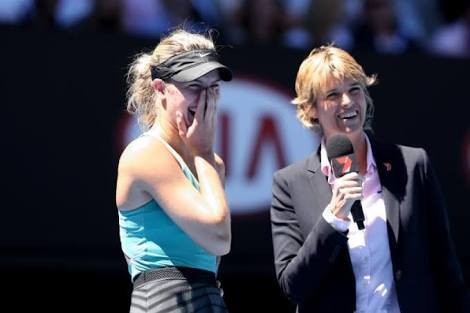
<point>159,86</point>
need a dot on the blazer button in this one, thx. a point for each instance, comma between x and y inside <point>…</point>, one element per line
<point>397,276</point>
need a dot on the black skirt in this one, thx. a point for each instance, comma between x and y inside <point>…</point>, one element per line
<point>177,290</point>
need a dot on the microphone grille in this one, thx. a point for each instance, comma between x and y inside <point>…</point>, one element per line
<point>338,145</point>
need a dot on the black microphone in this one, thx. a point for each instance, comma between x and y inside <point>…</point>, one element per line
<point>341,155</point>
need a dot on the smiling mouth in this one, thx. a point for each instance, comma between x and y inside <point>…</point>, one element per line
<point>347,115</point>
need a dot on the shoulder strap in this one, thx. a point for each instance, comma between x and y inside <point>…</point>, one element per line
<point>178,158</point>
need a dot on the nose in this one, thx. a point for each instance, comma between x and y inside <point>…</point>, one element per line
<point>345,100</point>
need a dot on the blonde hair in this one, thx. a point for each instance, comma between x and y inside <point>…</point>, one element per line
<point>141,96</point>
<point>322,64</point>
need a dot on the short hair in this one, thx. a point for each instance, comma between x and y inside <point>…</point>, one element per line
<point>322,64</point>
<point>141,97</point>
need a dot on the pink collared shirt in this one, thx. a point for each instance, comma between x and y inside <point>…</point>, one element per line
<point>368,248</point>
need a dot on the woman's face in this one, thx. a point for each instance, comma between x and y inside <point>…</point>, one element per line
<point>341,107</point>
<point>185,97</point>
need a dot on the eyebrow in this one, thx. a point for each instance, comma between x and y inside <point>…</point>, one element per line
<point>331,91</point>
<point>355,84</point>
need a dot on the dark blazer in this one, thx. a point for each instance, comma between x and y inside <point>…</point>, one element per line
<point>312,259</point>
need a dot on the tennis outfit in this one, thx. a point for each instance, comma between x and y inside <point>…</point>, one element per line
<point>171,273</point>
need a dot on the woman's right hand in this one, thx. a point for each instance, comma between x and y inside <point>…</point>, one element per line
<point>200,135</point>
<point>346,190</point>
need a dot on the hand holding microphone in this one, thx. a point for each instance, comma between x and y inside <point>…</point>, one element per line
<point>347,189</point>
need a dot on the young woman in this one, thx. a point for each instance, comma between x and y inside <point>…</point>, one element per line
<point>173,214</point>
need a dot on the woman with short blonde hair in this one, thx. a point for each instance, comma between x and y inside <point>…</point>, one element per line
<point>359,225</point>
<point>322,64</point>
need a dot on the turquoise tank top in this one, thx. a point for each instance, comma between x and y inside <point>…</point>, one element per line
<point>150,239</point>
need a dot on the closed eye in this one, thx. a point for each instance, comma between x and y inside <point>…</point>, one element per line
<point>193,86</point>
<point>354,90</point>
<point>332,95</point>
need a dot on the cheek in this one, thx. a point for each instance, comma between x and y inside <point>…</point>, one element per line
<point>190,97</point>
<point>363,103</point>
<point>326,107</point>
<point>360,99</point>
<point>182,99</point>
<point>321,112</point>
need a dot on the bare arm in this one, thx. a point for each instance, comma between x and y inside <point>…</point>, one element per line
<point>200,137</point>
<point>150,168</point>
<point>203,215</point>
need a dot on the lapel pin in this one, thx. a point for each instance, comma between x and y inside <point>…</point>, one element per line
<point>388,166</point>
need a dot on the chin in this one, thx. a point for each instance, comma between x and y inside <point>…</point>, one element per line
<point>353,129</point>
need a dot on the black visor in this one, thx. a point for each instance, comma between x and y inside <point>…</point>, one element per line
<point>190,65</point>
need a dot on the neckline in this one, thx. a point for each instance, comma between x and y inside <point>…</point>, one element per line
<point>175,154</point>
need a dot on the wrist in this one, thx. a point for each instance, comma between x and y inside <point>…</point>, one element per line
<point>337,213</point>
<point>206,155</point>
<point>338,224</point>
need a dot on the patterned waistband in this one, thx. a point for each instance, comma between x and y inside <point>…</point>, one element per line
<point>192,275</point>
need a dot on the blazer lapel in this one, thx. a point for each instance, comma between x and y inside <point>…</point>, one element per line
<point>392,207</point>
<point>390,171</point>
<point>321,191</point>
